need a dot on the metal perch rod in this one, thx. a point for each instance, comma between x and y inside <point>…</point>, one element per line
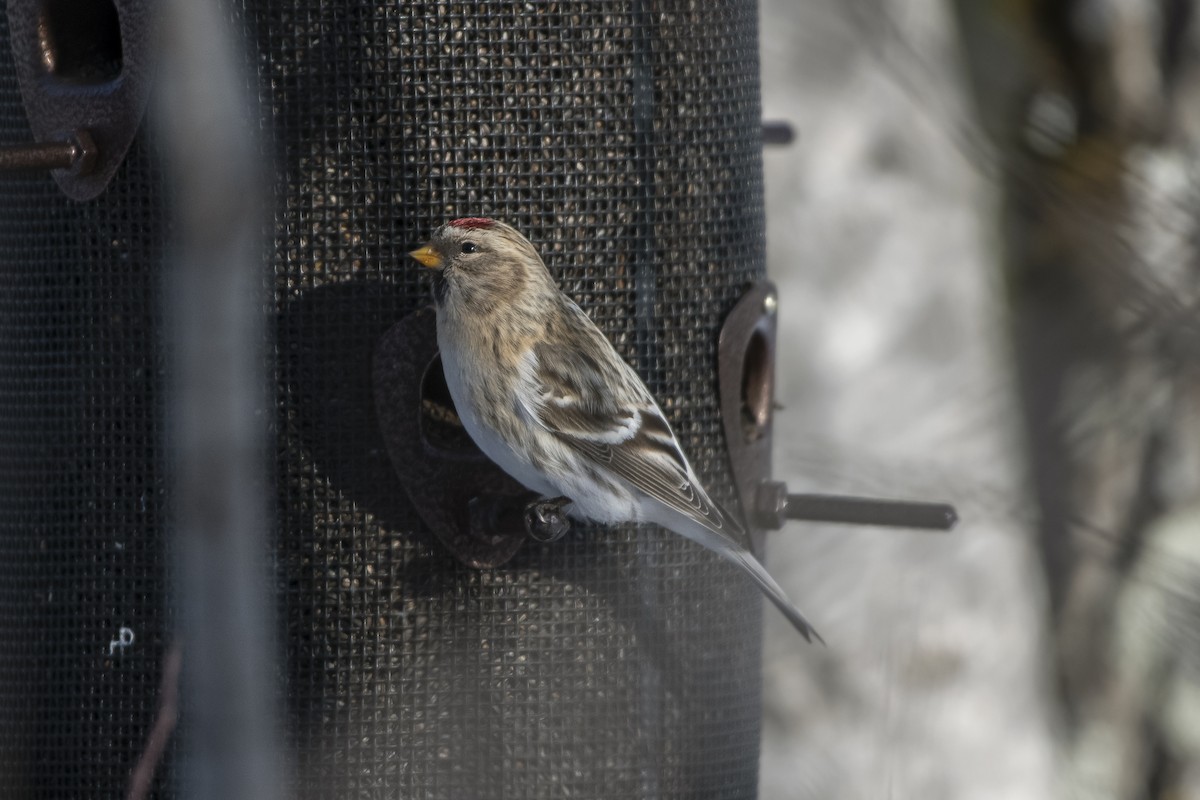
<point>863,511</point>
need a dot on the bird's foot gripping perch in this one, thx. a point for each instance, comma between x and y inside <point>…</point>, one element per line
<point>527,516</point>
<point>546,520</point>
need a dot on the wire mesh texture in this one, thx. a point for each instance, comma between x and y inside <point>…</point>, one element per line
<point>624,139</point>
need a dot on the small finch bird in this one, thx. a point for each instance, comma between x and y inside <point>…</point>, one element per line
<point>544,394</point>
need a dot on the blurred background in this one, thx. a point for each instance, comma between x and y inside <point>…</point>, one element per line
<point>984,237</point>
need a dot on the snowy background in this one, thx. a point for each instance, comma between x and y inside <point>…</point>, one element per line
<point>965,169</point>
<point>895,380</point>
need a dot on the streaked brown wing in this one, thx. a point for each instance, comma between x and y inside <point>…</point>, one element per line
<point>654,470</point>
<point>630,439</point>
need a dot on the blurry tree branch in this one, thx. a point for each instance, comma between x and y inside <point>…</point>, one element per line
<point>1074,94</point>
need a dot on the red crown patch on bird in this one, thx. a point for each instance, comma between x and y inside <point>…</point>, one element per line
<point>472,223</point>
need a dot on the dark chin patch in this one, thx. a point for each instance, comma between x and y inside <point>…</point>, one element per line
<point>440,287</point>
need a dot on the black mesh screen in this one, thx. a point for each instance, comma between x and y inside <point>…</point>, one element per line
<point>623,139</point>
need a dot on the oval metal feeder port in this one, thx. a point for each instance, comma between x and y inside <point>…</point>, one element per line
<point>746,373</point>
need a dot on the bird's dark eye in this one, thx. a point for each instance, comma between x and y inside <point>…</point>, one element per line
<point>469,247</point>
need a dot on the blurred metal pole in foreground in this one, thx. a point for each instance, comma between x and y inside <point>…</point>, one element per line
<point>214,293</point>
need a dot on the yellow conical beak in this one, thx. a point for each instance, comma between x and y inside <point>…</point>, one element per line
<point>428,257</point>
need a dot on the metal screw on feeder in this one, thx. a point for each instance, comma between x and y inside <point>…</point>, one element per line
<point>774,506</point>
<point>777,132</point>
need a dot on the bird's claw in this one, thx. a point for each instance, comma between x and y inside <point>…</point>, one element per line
<point>546,520</point>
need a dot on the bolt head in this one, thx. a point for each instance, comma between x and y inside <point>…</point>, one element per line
<point>770,505</point>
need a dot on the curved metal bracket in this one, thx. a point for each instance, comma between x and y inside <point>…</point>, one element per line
<point>746,372</point>
<point>473,507</point>
<point>84,65</point>
<point>746,380</point>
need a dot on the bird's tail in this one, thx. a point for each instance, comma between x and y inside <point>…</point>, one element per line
<point>731,541</point>
<point>743,556</point>
<point>771,589</point>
